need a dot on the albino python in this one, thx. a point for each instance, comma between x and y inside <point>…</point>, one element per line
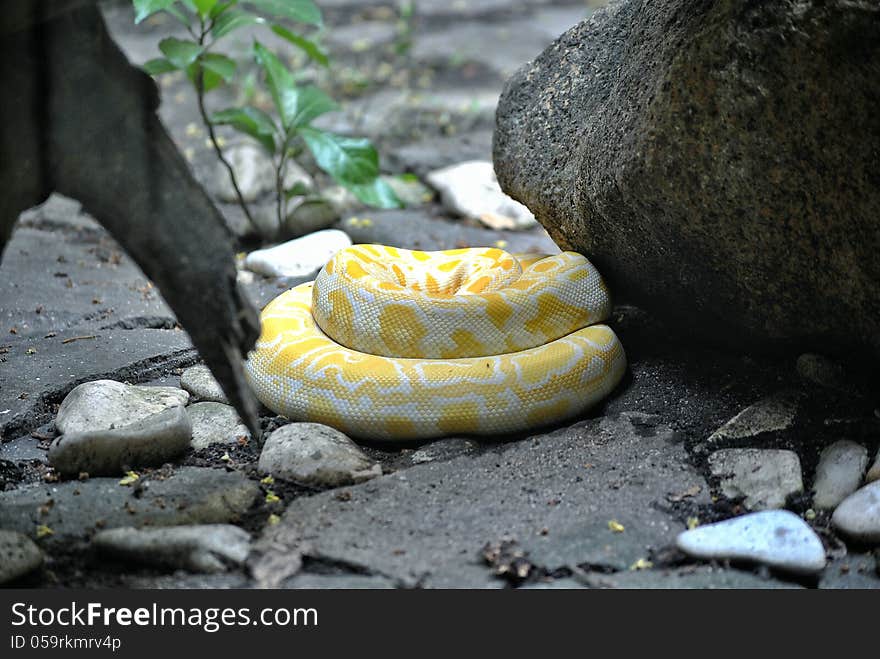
<point>389,343</point>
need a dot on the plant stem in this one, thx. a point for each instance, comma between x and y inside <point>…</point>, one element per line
<point>281,206</point>
<point>200,96</point>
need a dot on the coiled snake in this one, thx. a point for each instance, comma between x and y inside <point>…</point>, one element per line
<point>389,343</point>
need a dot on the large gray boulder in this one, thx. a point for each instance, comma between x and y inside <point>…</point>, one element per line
<point>718,161</point>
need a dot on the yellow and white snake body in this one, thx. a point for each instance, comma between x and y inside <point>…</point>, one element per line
<point>390,343</point>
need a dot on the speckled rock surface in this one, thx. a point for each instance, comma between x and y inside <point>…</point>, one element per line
<point>18,556</point>
<point>148,442</point>
<point>315,454</point>
<point>105,404</point>
<point>728,149</point>
<point>199,547</point>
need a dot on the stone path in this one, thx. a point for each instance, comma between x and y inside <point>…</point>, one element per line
<point>600,502</point>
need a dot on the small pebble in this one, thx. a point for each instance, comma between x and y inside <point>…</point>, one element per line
<point>443,449</point>
<point>858,517</point>
<point>201,385</point>
<point>315,454</point>
<point>215,423</point>
<point>299,257</point>
<point>198,548</point>
<point>777,538</point>
<point>18,556</point>
<point>147,442</point>
<point>774,413</point>
<point>839,473</point>
<point>107,404</point>
<point>471,189</point>
<point>765,477</point>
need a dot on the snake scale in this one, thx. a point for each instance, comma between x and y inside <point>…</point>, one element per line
<point>390,344</point>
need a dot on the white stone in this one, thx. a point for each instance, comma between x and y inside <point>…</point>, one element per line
<point>471,189</point>
<point>299,257</point>
<point>106,404</point>
<point>215,423</point>
<point>201,385</point>
<point>315,454</point>
<point>255,174</point>
<point>765,477</point>
<point>777,538</point>
<point>774,413</point>
<point>18,555</point>
<point>200,548</point>
<point>859,515</point>
<point>151,441</point>
<point>839,473</point>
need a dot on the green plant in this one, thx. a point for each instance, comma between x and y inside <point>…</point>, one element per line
<point>352,162</point>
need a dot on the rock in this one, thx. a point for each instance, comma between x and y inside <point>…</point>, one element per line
<point>199,548</point>
<point>426,155</point>
<point>471,189</point>
<point>874,472</point>
<point>839,473</point>
<point>201,385</point>
<point>62,513</point>
<point>691,577</point>
<point>854,570</point>
<point>765,477</point>
<point>151,441</point>
<point>215,423</point>
<point>315,454</point>
<point>107,404</point>
<point>410,190</point>
<point>18,556</point>
<point>423,525</point>
<point>820,370</point>
<point>338,582</point>
<point>858,516</point>
<point>308,216</point>
<point>777,538</point>
<point>774,413</point>
<point>341,199</point>
<point>255,174</point>
<point>634,139</point>
<point>299,257</point>
<point>418,229</point>
<point>444,449</point>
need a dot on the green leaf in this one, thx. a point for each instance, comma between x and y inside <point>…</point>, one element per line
<point>219,64</point>
<point>179,52</point>
<point>221,7</point>
<point>159,65</point>
<point>377,193</point>
<point>280,82</point>
<point>210,79</point>
<point>232,20</point>
<point>297,106</point>
<point>298,189</point>
<point>309,47</point>
<point>146,8</point>
<point>204,7</point>
<point>250,121</point>
<point>179,16</point>
<point>304,11</point>
<point>311,103</point>
<point>349,160</point>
